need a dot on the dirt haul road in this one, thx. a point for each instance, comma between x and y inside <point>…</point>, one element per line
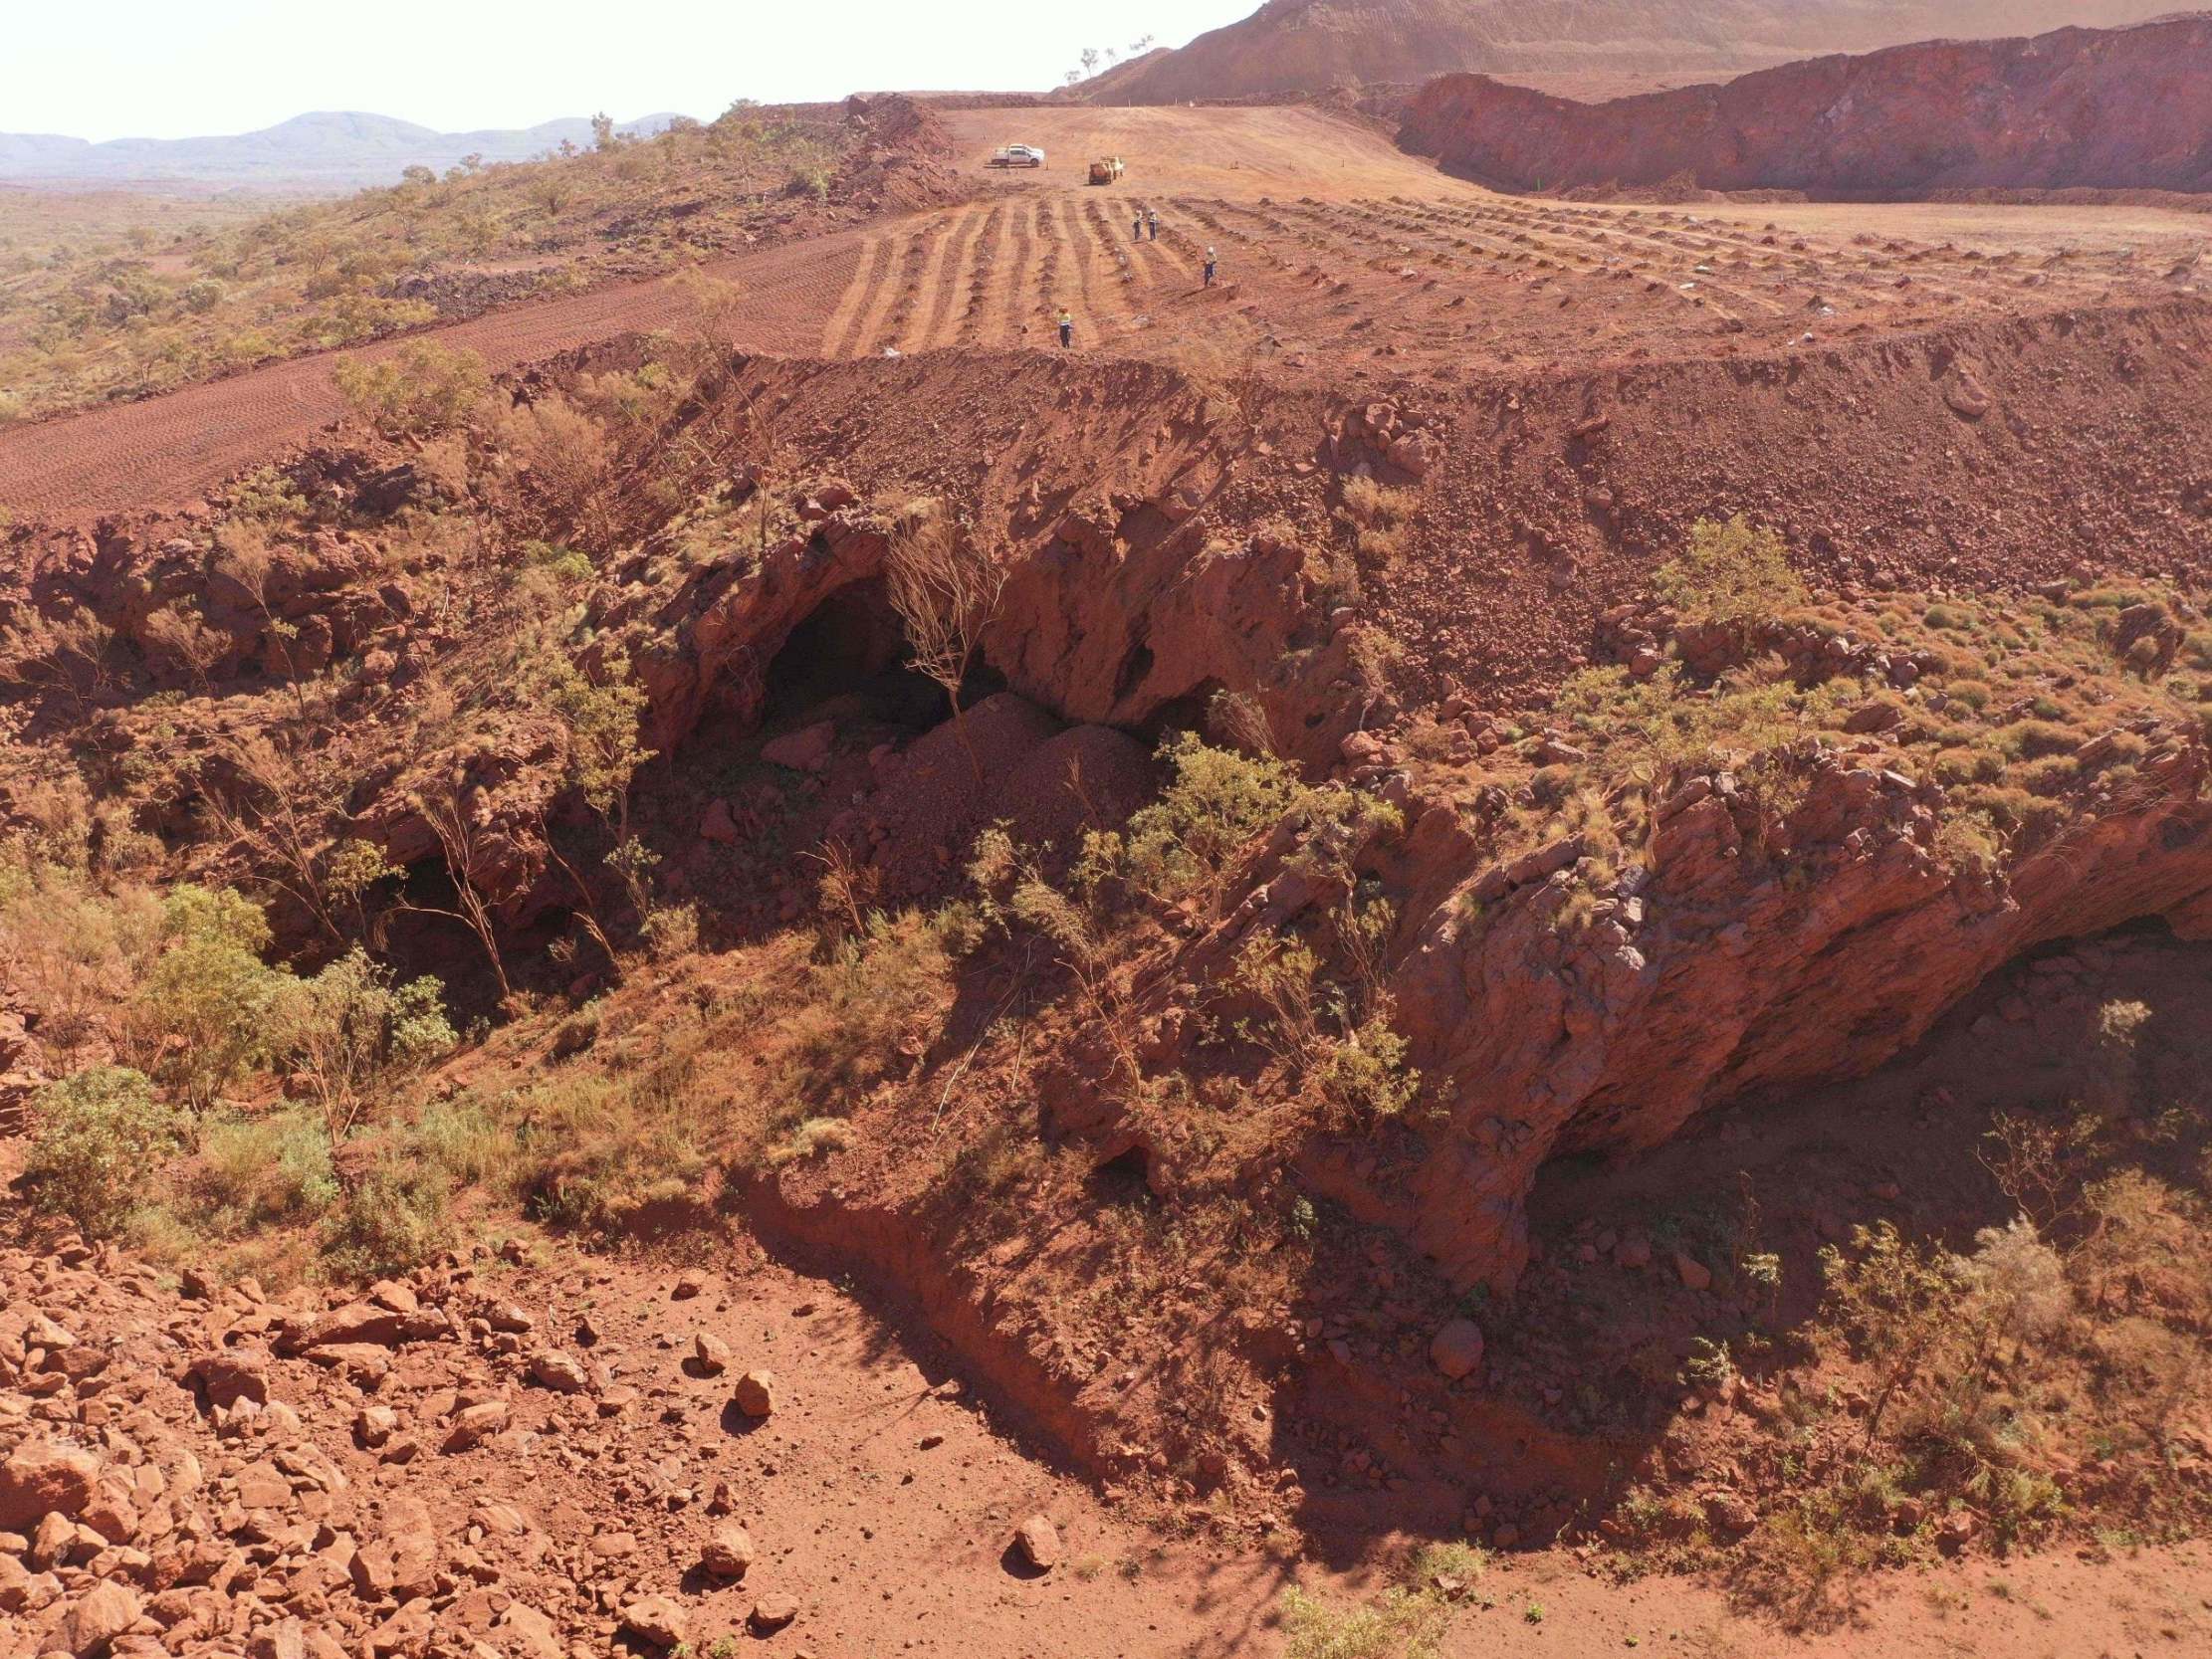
<point>1340,260</point>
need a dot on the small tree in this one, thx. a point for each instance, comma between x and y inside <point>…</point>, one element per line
<point>182,633</point>
<point>353,1030</point>
<point>100,1135</point>
<point>946,590</point>
<point>467,860</point>
<point>200,1017</point>
<point>715,304</point>
<point>421,389</point>
<point>601,716</point>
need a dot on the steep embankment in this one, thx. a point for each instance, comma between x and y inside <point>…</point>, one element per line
<point>2126,108</point>
<point>1311,45</point>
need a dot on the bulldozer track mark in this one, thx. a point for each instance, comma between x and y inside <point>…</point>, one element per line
<point>837,341</point>
<point>874,317</point>
<point>951,275</point>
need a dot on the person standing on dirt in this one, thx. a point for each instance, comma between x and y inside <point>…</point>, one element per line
<point>1137,227</point>
<point>1152,220</point>
<point>1210,264</point>
<point>1067,330</point>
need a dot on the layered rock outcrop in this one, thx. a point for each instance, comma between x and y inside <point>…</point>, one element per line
<point>1711,970</point>
<point>1291,46</point>
<point>2123,108</point>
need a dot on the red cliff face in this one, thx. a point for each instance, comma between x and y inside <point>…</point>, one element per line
<point>1289,46</point>
<point>2125,108</point>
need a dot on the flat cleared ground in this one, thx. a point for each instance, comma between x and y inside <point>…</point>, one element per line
<point>1338,257</point>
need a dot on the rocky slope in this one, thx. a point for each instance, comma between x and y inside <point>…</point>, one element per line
<point>1311,45</point>
<point>2125,108</point>
<point>1114,1152</point>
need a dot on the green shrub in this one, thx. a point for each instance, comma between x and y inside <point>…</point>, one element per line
<point>421,389</point>
<point>395,1220</point>
<point>1183,846</point>
<point>257,1170</point>
<point>201,1014</point>
<point>353,1030</point>
<point>101,1139</point>
<point>1734,572</point>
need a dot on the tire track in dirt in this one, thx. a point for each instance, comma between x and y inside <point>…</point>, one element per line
<point>986,278</point>
<point>949,262</point>
<point>883,278</point>
<point>837,332</point>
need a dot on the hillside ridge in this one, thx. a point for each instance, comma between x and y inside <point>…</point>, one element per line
<point>2123,108</point>
<point>1289,46</point>
<point>323,147</point>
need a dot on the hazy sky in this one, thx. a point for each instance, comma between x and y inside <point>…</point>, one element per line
<point>168,68</point>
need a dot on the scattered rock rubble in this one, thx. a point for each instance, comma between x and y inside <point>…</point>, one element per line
<point>223,1472</point>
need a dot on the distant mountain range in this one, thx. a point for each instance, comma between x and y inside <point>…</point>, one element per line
<point>334,148</point>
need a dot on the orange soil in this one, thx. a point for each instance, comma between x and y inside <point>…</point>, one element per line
<point>1342,260</point>
<point>891,1546</point>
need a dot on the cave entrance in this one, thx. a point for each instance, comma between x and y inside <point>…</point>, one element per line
<point>852,650</point>
<point>1124,1179</point>
<point>850,646</point>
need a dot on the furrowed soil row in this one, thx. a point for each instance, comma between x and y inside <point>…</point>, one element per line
<point>1082,253</point>
<point>838,332</point>
<point>882,288</point>
<point>1023,295</point>
<point>954,274</point>
<point>987,279</point>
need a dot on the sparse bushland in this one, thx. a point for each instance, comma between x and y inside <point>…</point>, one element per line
<point>189,1149</point>
<point>1996,1384</point>
<point>1199,998</point>
<point>99,315</point>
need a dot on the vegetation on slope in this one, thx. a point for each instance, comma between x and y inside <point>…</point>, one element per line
<point>1057,1042</point>
<point>147,309</point>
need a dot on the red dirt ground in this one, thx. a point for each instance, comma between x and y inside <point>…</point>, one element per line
<point>889,1545</point>
<point>1341,262</point>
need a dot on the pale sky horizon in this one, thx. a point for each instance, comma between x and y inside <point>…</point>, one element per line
<point>160,68</point>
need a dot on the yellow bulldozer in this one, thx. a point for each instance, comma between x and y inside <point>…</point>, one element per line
<point>1107,170</point>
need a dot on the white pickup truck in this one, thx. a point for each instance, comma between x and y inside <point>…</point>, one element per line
<point>1017,155</point>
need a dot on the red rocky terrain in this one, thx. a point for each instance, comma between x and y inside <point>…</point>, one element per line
<point>1531,778</point>
<point>2124,108</point>
<point>1293,46</point>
